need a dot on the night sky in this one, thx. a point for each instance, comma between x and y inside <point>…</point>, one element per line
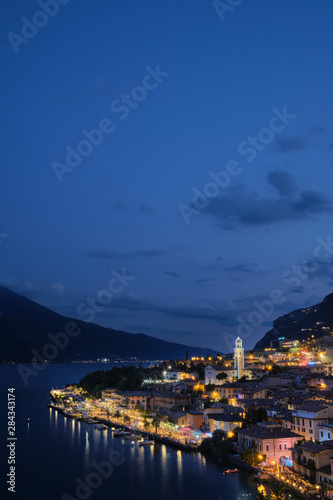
<point>167,166</point>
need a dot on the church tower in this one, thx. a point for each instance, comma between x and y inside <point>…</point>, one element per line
<point>239,358</point>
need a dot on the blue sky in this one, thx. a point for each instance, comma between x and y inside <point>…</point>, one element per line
<point>217,86</point>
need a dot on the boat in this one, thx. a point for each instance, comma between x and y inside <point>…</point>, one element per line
<point>120,433</point>
<point>230,471</point>
<point>146,442</point>
<point>101,427</point>
<point>91,421</point>
<point>68,415</point>
<point>133,437</point>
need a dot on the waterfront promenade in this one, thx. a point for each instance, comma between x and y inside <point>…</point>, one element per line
<point>121,425</point>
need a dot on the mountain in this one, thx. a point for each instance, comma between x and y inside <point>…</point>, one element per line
<point>300,324</point>
<point>26,330</point>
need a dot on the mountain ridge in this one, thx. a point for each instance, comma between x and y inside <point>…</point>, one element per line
<point>25,328</point>
<point>314,320</point>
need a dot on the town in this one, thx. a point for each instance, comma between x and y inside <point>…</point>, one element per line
<point>269,410</point>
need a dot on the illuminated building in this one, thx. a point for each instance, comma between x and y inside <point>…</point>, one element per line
<point>239,358</point>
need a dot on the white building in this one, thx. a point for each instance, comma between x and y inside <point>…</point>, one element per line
<point>239,358</point>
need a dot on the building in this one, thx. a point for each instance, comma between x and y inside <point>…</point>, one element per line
<point>224,422</point>
<point>236,412</point>
<point>325,430</point>
<point>241,390</point>
<point>195,418</point>
<point>108,394</point>
<point>311,459</point>
<point>270,440</point>
<point>178,418</point>
<point>129,399</point>
<point>239,358</point>
<point>210,374</point>
<point>307,417</point>
<point>168,399</point>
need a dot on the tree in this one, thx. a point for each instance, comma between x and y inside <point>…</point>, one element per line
<point>186,356</point>
<point>117,414</point>
<point>156,421</point>
<point>224,400</point>
<point>200,368</point>
<point>207,402</point>
<point>209,387</point>
<point>206,445</point>
<point>278,491</point>
<point>221,376</point>
<point>242,379</point>
<point>217,436</point>
<point>250,456</point>
<point>126,402</point>
<point>224,446</point>
<point>253,415</point>
<point>127,419</point>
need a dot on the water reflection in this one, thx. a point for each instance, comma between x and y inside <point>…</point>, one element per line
<point>179,463</point>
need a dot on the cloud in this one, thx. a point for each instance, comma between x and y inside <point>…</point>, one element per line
<point>282,181</point>
<point>97,253</point>
<point>146,210</point>
<point>239,206</point>
<point>170,273</point>
<point>120,206</point>
<point>240,268</point>
<point>288,144</point>
<point>317,130</point>
<point>297,289</point>
<point>128,304</point>
<point>201,280</point>
<point>18,285</point>
<point>319,269</point>
<point>58,288</point>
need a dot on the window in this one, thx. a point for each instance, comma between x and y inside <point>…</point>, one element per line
<point>260,447</point>
<point>310,431</point>
<point>298,421</point>
<point>329,435</point>
<point>285,446</point>
<point>303,422</point>
<point>267,447</point>
<point>310,423</point>
<point>280,446</point>
<point>321,434</point>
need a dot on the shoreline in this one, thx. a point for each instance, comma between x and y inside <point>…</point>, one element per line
<point>146,434</point>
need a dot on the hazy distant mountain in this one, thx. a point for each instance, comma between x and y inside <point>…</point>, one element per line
<point>300,324</point>
<point>25,325</point>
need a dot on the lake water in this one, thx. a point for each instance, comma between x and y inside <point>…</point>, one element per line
<point>54,454</point>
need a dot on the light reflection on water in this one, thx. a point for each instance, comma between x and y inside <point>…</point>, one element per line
<point>52,444</point>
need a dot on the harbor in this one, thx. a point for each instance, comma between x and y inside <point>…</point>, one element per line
<point>126,430</point>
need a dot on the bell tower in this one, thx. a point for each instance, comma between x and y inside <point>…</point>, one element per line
<point>239,358</point>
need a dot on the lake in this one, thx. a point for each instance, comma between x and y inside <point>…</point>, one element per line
<point>64,459</point>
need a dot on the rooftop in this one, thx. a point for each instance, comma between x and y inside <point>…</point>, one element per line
<point>222,417</point>
<point>312,406</point>
<point>269,432</point>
